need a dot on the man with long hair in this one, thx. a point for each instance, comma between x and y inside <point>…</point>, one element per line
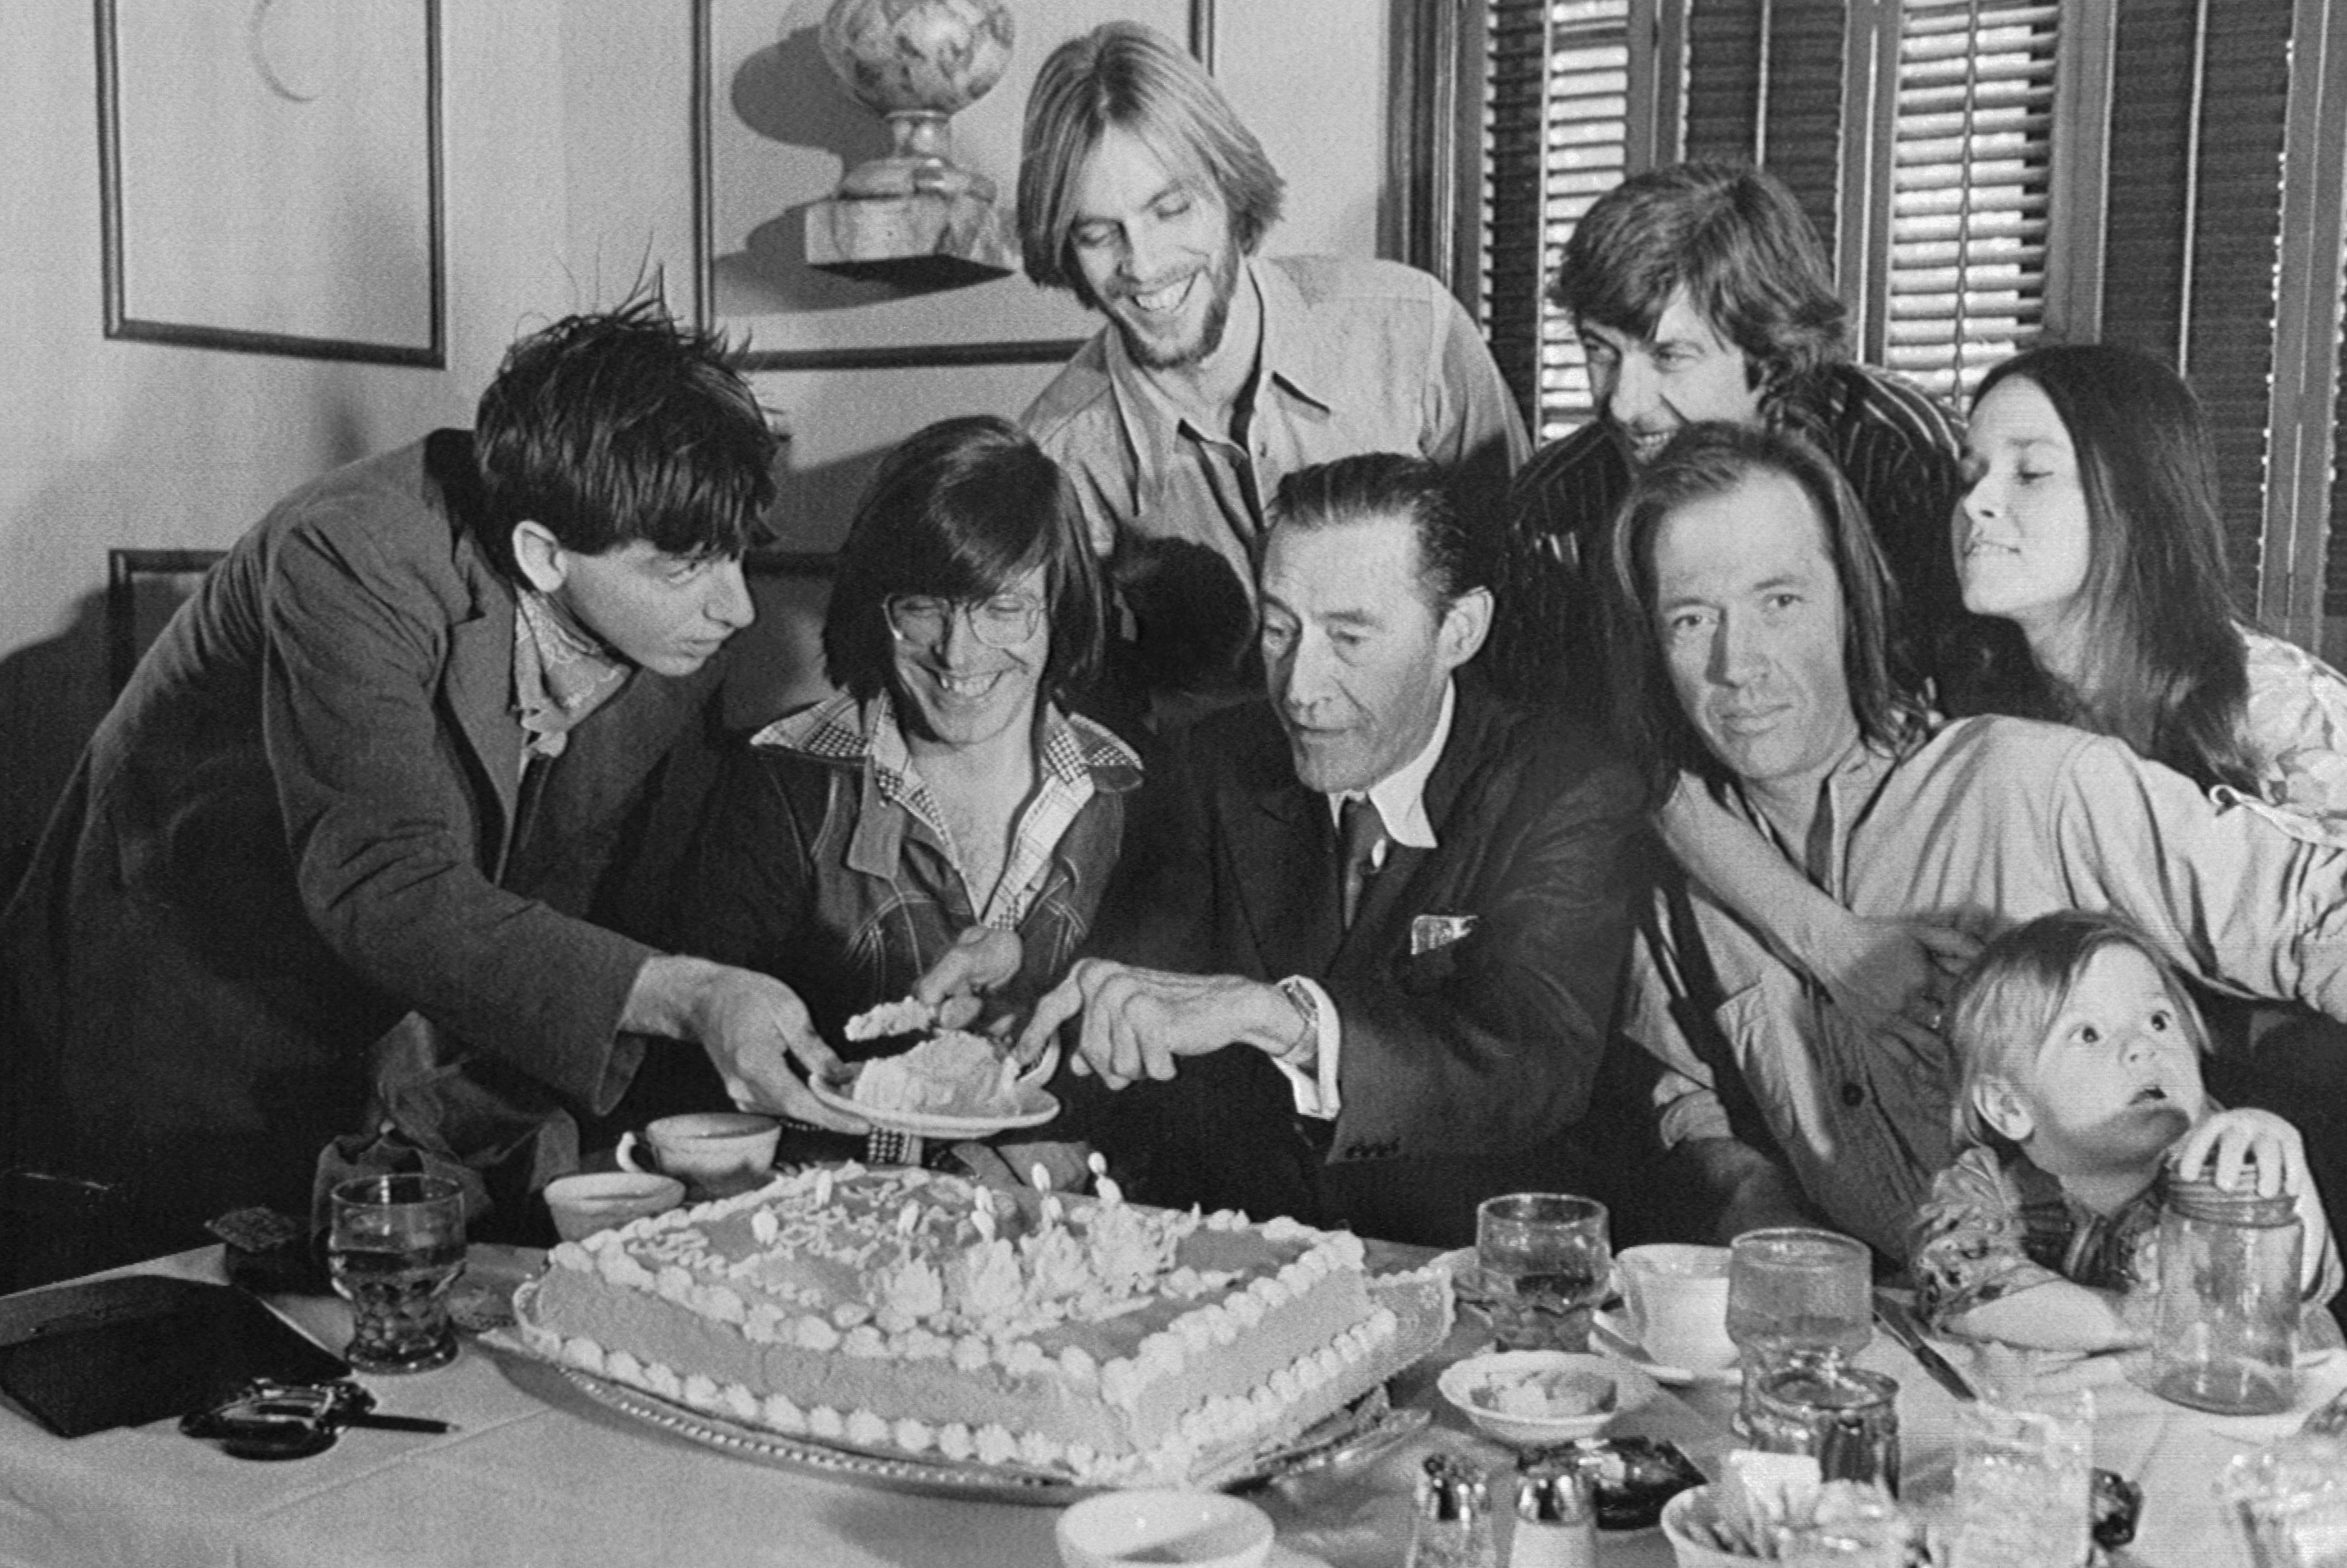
<point>1746,598</point>
<point>359,839</point>
<point>1700,291</point>
<point>1219,371</point>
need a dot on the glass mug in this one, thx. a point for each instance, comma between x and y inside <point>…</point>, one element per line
<point>1544,1263</point>
<point>1792,1289</point>
<point>395,1247</point>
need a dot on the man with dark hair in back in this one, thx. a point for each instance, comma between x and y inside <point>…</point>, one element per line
<point>1700,291</point>
<point>1141,192</point>
<point>372,798</point>
<point>1365,936</point>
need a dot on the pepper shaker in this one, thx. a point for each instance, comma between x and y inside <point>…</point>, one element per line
<point>1556,1516</point>
<point>1453,1528</point>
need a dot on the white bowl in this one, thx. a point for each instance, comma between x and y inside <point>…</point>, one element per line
<point>603,1200</point>
<point>1201,1529</point>
<point>1622,1390</point>
<point>1695,1549</point>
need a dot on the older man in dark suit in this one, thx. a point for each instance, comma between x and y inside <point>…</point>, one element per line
<point>1408,899</point>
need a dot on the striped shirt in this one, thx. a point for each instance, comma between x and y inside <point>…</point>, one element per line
<point>1899,447</point>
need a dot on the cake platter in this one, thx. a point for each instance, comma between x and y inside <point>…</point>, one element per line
<point>1366,1428</point>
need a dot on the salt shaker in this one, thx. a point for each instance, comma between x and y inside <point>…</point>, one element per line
<point>1556,1517</point>
<point>2225,1337</point>
<point>1453,1528</point>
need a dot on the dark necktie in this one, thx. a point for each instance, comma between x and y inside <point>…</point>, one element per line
<point>1360,832</point>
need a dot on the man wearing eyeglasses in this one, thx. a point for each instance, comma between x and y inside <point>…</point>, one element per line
<point>1360,955</point>
<point>1141,192</point>
<point>947,791</point>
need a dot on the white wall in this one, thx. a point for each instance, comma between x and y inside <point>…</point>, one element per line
<point>568,167</point>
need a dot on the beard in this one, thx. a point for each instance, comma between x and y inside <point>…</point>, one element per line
<point>1222,283</point>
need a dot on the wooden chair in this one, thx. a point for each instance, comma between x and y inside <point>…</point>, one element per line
<point>143,587</point>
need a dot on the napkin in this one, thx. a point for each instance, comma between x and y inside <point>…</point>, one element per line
<point>123,1352</point>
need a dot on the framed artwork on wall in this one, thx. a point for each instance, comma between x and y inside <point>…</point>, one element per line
<point>774,130</point>
<point>269,177</point>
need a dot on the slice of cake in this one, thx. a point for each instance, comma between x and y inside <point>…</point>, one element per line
<point>949,1074</point>
<point>912,1312</point>
<point>910,1015</point>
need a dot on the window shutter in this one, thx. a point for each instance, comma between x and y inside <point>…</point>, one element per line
<point>1791,121</point>
<point>1726,50</point>
<point>1558,91</point>
<point>1971,169</point>
<point>2194,222</point>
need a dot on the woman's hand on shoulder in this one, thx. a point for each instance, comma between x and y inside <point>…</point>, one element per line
<point>1895,976</point>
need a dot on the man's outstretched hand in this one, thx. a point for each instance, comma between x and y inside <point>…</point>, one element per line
<point>1138,1022</point>
<point>752,1027</point>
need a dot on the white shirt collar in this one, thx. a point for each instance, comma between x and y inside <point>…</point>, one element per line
<point>1400,796</point>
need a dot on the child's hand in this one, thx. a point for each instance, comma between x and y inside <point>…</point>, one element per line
<point>2230,1140</point>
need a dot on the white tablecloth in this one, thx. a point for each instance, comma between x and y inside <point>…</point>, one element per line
<point>538,1473</point>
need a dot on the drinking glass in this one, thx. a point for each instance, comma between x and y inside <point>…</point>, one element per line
<point>2289,1498</point>
<point>2025,1479</point>
<point>395,1246</point>
<point>1793,1289</point>
<point>1546,1263</point>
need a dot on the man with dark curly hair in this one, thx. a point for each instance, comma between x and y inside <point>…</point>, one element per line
<point>350,848</point>
<point>1700,291</point>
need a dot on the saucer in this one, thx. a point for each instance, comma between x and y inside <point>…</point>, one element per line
<point>1612,1334</point>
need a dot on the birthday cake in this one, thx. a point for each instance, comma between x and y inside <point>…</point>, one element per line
<point>909,1312</point>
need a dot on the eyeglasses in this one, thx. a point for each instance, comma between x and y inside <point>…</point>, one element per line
<point>1000,620</point>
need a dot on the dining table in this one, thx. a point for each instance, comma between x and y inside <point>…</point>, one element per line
<point>537,1470</point>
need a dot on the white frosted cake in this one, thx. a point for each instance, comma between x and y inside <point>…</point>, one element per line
<point>912,1312</point>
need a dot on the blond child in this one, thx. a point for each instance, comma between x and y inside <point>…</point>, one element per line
<point>2081,1098</point>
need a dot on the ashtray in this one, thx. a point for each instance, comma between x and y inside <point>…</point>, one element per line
<point>1631,1477</point>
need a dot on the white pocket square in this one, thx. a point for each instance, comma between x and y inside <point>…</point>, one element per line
<point>1428,932</point>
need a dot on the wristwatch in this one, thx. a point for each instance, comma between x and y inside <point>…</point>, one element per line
<point>1307,1003</point>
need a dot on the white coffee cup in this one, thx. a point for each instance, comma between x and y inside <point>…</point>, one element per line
<point>706,1146</point>
<point>1677,1297</point>
<point>601,1200</point>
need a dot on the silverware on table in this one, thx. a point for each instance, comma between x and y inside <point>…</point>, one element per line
<point>1898,1321</point>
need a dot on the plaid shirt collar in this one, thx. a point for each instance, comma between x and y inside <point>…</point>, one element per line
<point>1077,759</point>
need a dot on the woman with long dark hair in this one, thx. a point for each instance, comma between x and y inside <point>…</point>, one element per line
<point>2089,530</point>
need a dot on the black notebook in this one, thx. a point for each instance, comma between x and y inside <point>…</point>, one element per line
<point>143,1348</point>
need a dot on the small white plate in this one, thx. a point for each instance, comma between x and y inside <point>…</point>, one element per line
<point>1036,1106</point>
<point>1612,1334</point>
<point>1458,1381</point>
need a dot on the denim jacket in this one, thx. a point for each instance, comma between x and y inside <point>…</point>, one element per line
<point>822,865</point>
